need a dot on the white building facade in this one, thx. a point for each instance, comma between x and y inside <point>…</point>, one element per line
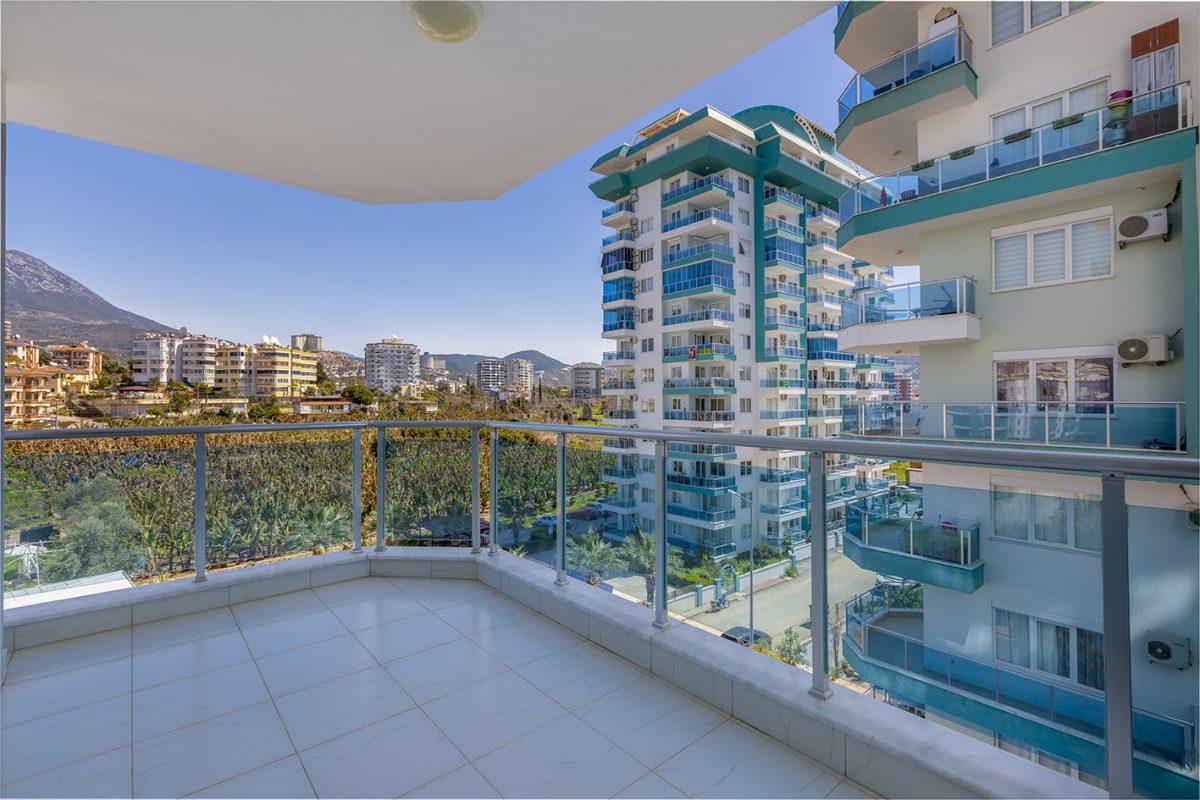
<point>391,364</point>
<point>1038,160</point>
<point>505,375</point>
<point>722,289</point>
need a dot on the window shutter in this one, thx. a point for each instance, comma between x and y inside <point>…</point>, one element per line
<point>1091,249</point>
<point>1008,21</point>
<point>1010,262</point>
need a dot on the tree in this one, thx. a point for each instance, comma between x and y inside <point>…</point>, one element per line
<point>359,394</point>
<point>322,376</point>
<point>591,556</point>
<point>179,401</point>
<point>637,554</point>
<point>791,649</point>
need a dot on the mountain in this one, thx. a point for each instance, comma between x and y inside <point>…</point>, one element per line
<point>44,304</point>
<point>464,363</point>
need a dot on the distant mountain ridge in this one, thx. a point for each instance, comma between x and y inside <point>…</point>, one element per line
<point>44,304</point>
<point>464,363</point>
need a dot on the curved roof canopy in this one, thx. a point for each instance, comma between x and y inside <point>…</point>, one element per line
<point>350,99</point>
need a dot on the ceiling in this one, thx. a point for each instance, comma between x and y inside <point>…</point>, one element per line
<point>349,99</point>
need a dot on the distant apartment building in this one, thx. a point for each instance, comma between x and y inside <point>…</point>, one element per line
<point>153,358</point>
<point>391,364</point>
<point>235,370</point>
<point>722,289</point>
<point>31,394</point>
<point>21,352</point>
<point>586,378</point>
<point>185,356</point>
<point>81,359</point>
<point>282,372</point>
<point>432,363</point>
<point>308,342</point>
<point>511,377</point>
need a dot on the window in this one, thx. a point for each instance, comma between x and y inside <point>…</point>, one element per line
<point>647,285</point>
<point>646,255</point>
<point>1055,648</point>
<point>646,523</point>
<point>670,147</point>
<point>647,345</point>
<point>745,341</point>
<point>746,468</point>
<point>1012,18</point>
<point>744,277</point>
<point>744,405</point>
<point>1075,251</point>
<point>1044,111</point>
<point>1059,518</point>
<point>744,216</point>
<point>647,495</point>
<point>743,373</point>
<point>648,405</point>
<point>744,310</point>
<point>743,184</point>
<point>745,530</point>
<point>647,314</point>
<point>1086,381</point>
<point>648,466</point>
<point>647,376</point>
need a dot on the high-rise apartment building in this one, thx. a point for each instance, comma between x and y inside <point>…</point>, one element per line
<point>282,372</point>
<point>723,288</point>
<point>308,342</point>
<point>81,359</point>
<point>1039,161</point>
<point>269,369</point>
<point>185,356</point>
<point>512,376</point>
<point>235,370</point>
<point>586,380</point>
<point>392,363</point>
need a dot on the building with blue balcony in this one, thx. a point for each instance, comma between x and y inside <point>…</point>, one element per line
<point>1038,160</point>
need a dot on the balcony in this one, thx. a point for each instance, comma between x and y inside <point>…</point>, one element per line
<point>1124,144</point>
<point>722,417</point>
<point>618,215</point>
<point>867,28</point>
<point>241,664</point>
<point>831,276</point>
<point>710,251</point>
<point>620,356</point>
<point>772,227</point>
<point>620,474</point>
<point>699,386</point>
<point>708,280</point>
<point>884,642</point>
<point>790,413</point>
<point>614,386</point>
<point>787,200</point>
<point>622,238</point>
<point>1146,427</point>
<point>702,452</point>
<point>879,110</point>
<point>619,413</point>
<point>832,301</point>
<point>781,353</point>
<point>775,290</point>
<point>883,541</point>
<point>618,329</point>
<point>781,476</point>
<point>699,352</point>
<point>778,322</point>
<point>703,190</point>
<point>709,222</point>
<point>786,384</point>
<point>623,266</point>
<point>619,444</point>
<point>707,319</point>
<point>707,483</point>
<point>830,354</point>
<point>900,319</point>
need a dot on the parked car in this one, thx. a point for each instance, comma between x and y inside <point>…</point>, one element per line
<point>549,520</point>
<point>741,635</point>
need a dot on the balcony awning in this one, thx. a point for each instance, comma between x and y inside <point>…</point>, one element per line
<point>350,99</point>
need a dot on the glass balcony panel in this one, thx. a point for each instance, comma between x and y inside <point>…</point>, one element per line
<point>966,167</point>
<point>1022,692</point>
<point>272,494</point>
<point>428,489</point>
<point>973,676</point>
<point>526,495</point>
<point>595,535</point>
<point>110,512</point>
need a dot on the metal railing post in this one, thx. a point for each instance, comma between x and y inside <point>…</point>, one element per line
<point>1114,572</point>
<point>1046,421</point>
<point>660,535</point>
<point>993,422</point>
<point>1108,409</point>
<point>200,509</point>
<point>1178,426</point>
<point>945,430</point>
<point>476,497</point>
<point>494,492</point>
<point>356,488</point>
<point>380,485</point>
<point>819,621</point>
<point>560,533</point>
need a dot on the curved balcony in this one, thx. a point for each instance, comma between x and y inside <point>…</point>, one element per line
<point>699,190</point>
<point>700,352</point>
<point>618,215</point>
<point>900,319</point>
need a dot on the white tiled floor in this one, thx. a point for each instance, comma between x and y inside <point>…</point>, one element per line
<point>372,688</point>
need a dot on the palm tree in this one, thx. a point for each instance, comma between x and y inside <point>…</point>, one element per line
<point>592,556</point>
<point>637,554</point>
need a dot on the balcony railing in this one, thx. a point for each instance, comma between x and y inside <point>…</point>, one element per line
<point>619,384</point>
<point>618,266</point>
<point>616,208</point>
<point>699,216</point>
<point>946,541</point>
<point>620,473</point>
<point>861,284</point>
<point>707,315</point>
<point>784,352</point>
<point>781,287</point>
<point>818,354</point>
<point>713,249</point>
<point>770,195</point>
<point>771,225</point>
<point>620,355</point>
<point>713,282</point>
<point>823,297</point>
<point>617,295</point>
<point>832,327</point>
<point>1154,735</point>
<point>787,413</point>
<point>619,325</point>
<point>689,449</point>
<point>1126,426</point>
<point>1119,123</point>
<point>919,300</point>
<point>699,383</point>
<point>786,320</point>
<point>713,181</point>
<point>895,71</point>
<point>777,254</point>
<point>701,481</point>
<point>783,383</point>
<point>195,480</point>
<point>618,413</point>
<point>780,475</point>
<point>698,416</point>
<point>619,236</point>
<point>699,351</point>
<point>823,270</point>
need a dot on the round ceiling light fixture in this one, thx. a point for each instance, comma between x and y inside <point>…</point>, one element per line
<point>445,21</point>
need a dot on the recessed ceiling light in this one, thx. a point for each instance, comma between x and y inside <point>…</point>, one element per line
<point>445,21</point>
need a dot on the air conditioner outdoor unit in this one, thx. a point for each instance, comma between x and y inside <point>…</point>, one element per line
<point>1193,517</point>
<point>1170,651</point>
<point>1150,349</point>
<point>1144,225</point>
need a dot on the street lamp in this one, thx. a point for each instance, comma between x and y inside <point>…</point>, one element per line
<point>753,542</point>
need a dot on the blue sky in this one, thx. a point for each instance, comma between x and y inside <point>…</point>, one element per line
<point>238,258</point>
